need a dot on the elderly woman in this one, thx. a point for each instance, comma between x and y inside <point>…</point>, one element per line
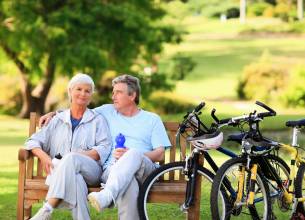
<point>82,138</point>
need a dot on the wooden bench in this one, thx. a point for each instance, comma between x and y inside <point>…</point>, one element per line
<point>32,188</point>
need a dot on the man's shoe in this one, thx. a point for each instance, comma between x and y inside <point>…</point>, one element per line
<point>100,200</point>
<point>42,214</point>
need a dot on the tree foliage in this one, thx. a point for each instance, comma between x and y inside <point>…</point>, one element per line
<point>45,38</point>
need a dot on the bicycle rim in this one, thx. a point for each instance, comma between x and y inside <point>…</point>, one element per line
<point>168,210</point>
<point>233,210</point>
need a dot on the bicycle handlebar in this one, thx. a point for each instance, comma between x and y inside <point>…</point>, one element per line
<point>189,115</point>
<point>251,117</point>
<point>270,112</point>
<point>199,107</point>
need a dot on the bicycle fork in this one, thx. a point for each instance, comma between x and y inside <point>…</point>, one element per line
<point>191,173</point>
<point>241,182</point>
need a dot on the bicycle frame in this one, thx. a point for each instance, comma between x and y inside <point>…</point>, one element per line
<point>191,177</point>
<point>295,161</point>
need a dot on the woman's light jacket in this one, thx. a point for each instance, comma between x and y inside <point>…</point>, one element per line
<point>57,137</point>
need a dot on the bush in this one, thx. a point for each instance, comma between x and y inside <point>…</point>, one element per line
<point>294,95</point>
<point>166,103</point>
<point>269,12</point>
<point>10,95</point>
<point>286,12</point>
<point>262,81</point>
<point>258,9</point>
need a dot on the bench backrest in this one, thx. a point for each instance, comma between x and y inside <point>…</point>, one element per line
<point>174,154</point>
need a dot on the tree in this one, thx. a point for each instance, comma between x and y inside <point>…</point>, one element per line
<point>242,11</point>
<point>300,10</point>
<point>48,38</point>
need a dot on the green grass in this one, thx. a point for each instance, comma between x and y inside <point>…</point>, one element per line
<point>221,53</point>
<point>11,127</point>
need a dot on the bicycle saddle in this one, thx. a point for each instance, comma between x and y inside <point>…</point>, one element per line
<point>236,137</point>
<point>298,123</point>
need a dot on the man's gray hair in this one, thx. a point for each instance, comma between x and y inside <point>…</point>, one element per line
<point>133,85</point>
<point>80,78</point>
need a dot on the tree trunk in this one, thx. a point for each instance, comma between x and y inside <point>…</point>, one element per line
<point>32,102</point>
<point>300,10</point>
<point>242,11</point>
<point>36,102</point>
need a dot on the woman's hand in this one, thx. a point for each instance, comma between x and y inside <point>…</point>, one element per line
<point>45,119</point>
<point>47,165</point>
<point>118,152</point>
<point>44,158</point>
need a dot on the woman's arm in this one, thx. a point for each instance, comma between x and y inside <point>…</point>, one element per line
<point>45,159</point>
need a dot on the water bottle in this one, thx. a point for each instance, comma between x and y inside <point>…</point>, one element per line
<point>120,140</point>
<point>56,160</point>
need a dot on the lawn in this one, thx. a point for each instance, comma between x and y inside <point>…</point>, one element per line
<point>221,53</point>
<point>13,133</point>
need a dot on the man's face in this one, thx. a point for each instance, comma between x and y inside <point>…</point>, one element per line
<point>120,96</point>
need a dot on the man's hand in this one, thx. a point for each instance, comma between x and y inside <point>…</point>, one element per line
<point>45,119</point>
<point>118,152</point>
<point>156,155</point>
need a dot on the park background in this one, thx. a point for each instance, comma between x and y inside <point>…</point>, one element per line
<point>227,53</point>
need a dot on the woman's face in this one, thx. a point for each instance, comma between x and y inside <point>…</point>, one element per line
<point>81,94</point>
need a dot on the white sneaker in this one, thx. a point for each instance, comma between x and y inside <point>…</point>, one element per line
<point>100,200</point>
<point>42,214</point>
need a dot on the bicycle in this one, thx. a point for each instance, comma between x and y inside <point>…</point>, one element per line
<point>251,175</point>
<point>202,138</point>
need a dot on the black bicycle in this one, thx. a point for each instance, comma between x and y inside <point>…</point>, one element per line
<point>255,182</point>
<point>188,172</point>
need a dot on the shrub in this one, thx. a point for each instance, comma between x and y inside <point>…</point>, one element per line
<point>262,81</point>
<point>294,94</point>
<point>269,12</point>
<point>166,103</point>
<point>258,9</point>
<point>285,11</point>
<point>10,95</point>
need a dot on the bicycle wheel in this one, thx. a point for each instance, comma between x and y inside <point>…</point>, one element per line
<point>300,187</point>
<point>279,204</point>
<point>227,180</point>
<point>168,210</point>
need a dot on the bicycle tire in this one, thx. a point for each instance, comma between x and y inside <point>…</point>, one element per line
<point>281,207</point>
<point>299,190</point>
<point>149,211</point>
<point>236,212</point>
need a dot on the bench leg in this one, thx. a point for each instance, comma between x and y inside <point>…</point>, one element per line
<point>28,212</point>
<point>21,181</point>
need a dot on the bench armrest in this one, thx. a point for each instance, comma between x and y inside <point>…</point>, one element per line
<point>24,154</point>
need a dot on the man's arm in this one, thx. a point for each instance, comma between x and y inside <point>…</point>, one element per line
<point>156,155</point>
<point>45,119</point>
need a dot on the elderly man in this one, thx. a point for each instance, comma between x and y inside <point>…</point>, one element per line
<point>146,140</point>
